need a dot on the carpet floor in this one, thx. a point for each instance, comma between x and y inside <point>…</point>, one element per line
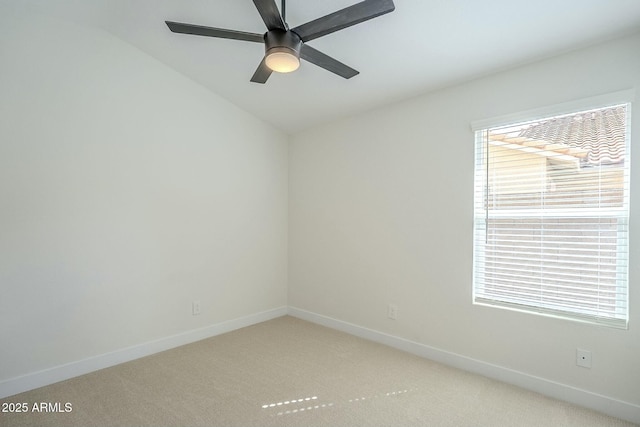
<point>288,372</point>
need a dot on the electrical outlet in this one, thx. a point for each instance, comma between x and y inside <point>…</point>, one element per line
<point>392,311</point>
<point>195,308</point>
<point>583,358</point>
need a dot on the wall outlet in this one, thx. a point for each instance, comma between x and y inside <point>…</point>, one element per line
<point>392,311</point>
<point>583,358</point>
<point>195,308</point>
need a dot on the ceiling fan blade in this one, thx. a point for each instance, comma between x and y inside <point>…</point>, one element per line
<point>262,73</point>
<point>344,18</point>
<point>199,30</point>
<point>270,14</point>
<point>328,63</point>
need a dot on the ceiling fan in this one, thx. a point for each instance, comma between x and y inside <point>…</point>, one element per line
<point>284,46</point>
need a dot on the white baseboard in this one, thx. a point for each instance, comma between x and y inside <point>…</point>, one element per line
<point>63,372</point>
<point>607,405</point>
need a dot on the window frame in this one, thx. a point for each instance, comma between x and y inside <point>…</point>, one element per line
<point>622,97</point>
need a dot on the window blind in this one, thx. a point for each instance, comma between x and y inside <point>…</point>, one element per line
<point>551,215</point>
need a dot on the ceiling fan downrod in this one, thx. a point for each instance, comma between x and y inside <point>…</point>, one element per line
<point>284,13</point>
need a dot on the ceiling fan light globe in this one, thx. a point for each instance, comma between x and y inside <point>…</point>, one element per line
<point>282,62</point>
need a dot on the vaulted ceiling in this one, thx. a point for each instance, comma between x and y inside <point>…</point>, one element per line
<point>422,46</point>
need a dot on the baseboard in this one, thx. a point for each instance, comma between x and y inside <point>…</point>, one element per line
<point>607,405</point>
<point>63,372</point>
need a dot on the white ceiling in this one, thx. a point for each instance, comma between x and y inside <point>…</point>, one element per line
<point>421,46</point>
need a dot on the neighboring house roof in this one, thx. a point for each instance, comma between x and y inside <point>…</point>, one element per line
<point>593,138</point>
<point>600,132</point>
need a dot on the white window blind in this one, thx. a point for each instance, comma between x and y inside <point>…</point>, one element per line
<point>551,215</point>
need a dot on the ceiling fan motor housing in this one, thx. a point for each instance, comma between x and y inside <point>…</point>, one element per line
<point>282,41</point>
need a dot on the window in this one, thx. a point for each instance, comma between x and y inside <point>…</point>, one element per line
<point>551,215</point>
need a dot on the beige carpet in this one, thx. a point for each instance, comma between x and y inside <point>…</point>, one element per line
<point>288,372</point>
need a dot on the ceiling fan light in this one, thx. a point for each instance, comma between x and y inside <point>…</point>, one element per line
<point>282,61</point>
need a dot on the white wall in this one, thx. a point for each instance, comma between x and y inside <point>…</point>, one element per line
<point>381,211</point>
<point>126,192</point>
